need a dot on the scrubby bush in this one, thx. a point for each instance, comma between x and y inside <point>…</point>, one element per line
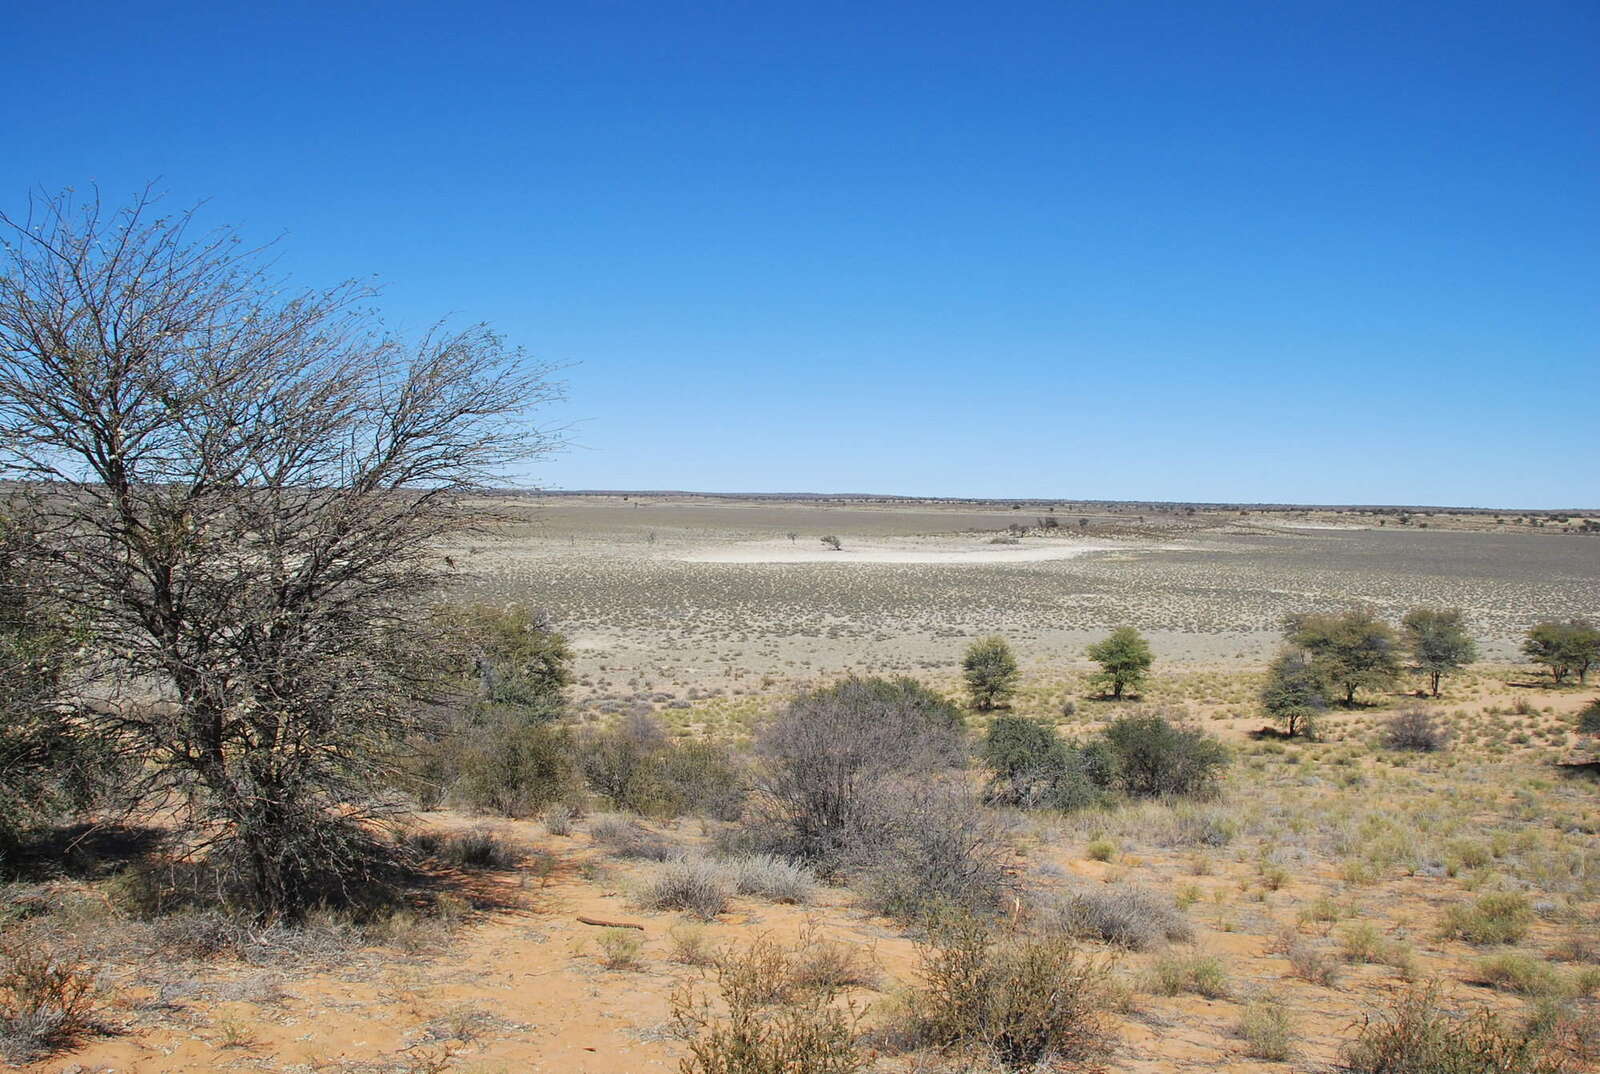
<point>1415,730</point>
<point>1417,1035</point>
<point>1267,1029</point>
<point>1174,974</point>
<point>694,885</point>
<point>1124,658</point>
<point>46,1002</point>
<point>619,949</point>
<point>832,761</point>
<point>1022,999</point>
<point>932,844</point>
<point>1516,971</point>
<point>1499,917</point>
<point>515,767</point>
<point>1156,756</point>
<point>704,778</point>
<point>617,761</point>
<point>627,838</point>
<point>1123,916</point>
<point>1311,963</point>
<point>990,670</point>
<point>766,1022</point>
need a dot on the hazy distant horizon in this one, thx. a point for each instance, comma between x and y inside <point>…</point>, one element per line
<point>1065,500</point>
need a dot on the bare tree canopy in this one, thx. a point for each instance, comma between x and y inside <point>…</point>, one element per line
<point>237,491</point>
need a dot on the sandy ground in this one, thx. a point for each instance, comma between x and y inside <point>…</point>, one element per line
<point>522,986</point>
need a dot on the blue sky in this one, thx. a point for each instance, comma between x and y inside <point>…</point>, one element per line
<point>1305,252</point>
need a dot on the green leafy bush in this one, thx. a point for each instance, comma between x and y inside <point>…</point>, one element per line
<point>1157,757</point>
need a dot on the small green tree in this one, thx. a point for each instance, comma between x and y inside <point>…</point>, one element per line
<point>990,669</point>
<point>1124,660</point>
<point>1350,652</point>
<point>1565,648</point>
<point>1439,643</point>
<point>1294,694</point>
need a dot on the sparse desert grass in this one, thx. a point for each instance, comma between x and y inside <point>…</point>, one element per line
<point>47,1002</point>
<point>1175,973</point>
<point>1496,918</point>
<point>1366,849</point>
<point>1121,916</point>
<point>1418,1034</point>
<point>627,838</point>
<point>1268,1029</point>
<point>620,948</point>
<point>697,886</point>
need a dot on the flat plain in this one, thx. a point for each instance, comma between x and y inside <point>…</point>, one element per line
<point>1326,879</point>
<point>670,597</point>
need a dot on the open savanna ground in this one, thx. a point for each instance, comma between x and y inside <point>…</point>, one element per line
<point>667,599</point>
<point>1255,930</point>
<point>601,872</point>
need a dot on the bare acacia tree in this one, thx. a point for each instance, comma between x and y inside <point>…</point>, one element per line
<point>239,492</point>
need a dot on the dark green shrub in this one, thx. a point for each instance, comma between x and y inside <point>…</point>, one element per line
<point>478,848</point>
<point>515,767</point>
<point>1032,767</point>
<point>1155,757</point>
<point>1589,719</point>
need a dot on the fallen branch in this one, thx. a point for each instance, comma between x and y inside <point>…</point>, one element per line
<point>610,924</point>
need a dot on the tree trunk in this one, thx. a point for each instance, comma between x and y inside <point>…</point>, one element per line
<point>1435,676</point>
